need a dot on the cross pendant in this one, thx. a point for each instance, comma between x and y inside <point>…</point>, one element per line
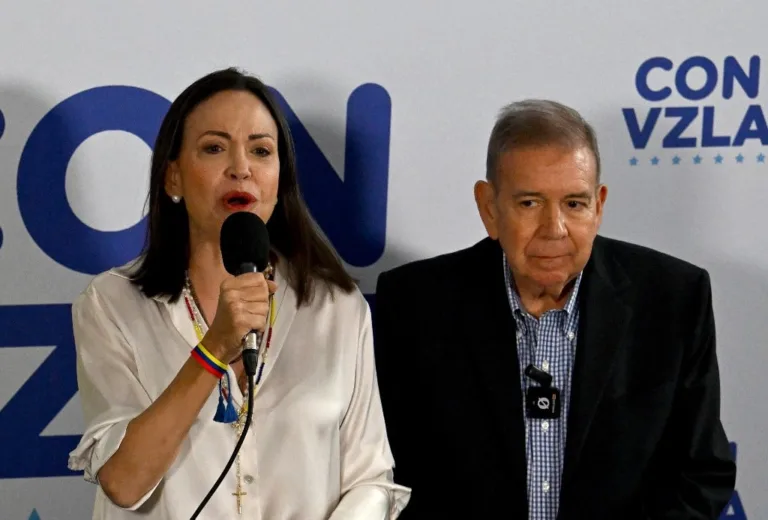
<point>239,495</point>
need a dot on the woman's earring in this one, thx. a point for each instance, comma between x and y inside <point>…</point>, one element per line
<point>176,199</point>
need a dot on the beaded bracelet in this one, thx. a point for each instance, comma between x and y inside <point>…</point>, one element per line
<point>209,361</point>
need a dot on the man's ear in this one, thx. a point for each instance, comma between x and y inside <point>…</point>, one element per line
<point>602,195</point>
<point>485,198</point>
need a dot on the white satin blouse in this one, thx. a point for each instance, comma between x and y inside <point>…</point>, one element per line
<point>317,448</point>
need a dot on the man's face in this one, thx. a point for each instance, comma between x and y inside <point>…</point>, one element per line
<point>545,209</point>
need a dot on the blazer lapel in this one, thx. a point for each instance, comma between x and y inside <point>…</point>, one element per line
<point>492,343</point>
<point>604,320</point>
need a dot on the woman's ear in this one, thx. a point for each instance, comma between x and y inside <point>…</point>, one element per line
<point>173,186</point>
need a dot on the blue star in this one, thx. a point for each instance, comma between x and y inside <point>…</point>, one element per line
<point>655,161</point>
<point>739,158</point>
<point>676,160</point>
<point>633,161</point>
<point>761,158</point>
<point>697,159</point>
<point>718,159</point>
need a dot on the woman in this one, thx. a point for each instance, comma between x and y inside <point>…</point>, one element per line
<point>158,342</point>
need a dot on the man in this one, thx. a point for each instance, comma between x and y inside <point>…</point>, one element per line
<point>548,372</point>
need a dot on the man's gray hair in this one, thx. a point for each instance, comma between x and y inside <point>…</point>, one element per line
<point>538,122</point>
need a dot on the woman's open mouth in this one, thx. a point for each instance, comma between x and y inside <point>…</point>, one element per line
<point>238,200</point>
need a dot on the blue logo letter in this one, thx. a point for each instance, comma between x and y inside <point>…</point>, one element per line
<point>641,79</point>
<point>733,72</point>
<point>42,170</point>
<point>352,212</point>
<point>681,78</point>
<point>25,454</point>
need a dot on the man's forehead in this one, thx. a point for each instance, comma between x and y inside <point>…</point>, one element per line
<point>553,155</point>
<point>550,163</point>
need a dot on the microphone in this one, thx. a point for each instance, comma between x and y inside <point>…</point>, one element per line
<point>538,375</point>
<point>244,243</point>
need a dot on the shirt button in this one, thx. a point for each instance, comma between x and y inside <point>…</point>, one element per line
<point>545,365</point>
<point>571,335</point>
<point>545,425</point>
<point>248,479</point>
<point>545,486</point>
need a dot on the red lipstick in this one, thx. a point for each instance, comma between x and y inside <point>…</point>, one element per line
<point>238,200</point>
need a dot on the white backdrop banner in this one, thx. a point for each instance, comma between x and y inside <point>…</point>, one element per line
<point>391,105</point>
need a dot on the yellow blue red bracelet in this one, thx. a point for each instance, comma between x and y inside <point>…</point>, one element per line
<point>209,361</point>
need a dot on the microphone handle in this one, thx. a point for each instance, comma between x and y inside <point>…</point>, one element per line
<point>252,340</point>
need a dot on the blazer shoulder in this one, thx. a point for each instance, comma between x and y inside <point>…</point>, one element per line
<point>437,270</point>
<point>644,263</point>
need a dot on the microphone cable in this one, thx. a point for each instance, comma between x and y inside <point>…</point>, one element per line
<point>250,362</point>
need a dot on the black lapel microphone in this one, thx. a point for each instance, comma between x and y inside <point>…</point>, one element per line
<point>538,375</point>
<point>543,401</point>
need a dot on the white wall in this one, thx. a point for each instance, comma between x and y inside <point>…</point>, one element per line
<point>447,68</point>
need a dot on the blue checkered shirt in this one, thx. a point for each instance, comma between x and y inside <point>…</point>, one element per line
<point>549,343</point>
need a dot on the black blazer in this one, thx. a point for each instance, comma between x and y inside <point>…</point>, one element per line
<point>644,440</point>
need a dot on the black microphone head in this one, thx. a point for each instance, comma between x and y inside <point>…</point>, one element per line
<point>244,243</point>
